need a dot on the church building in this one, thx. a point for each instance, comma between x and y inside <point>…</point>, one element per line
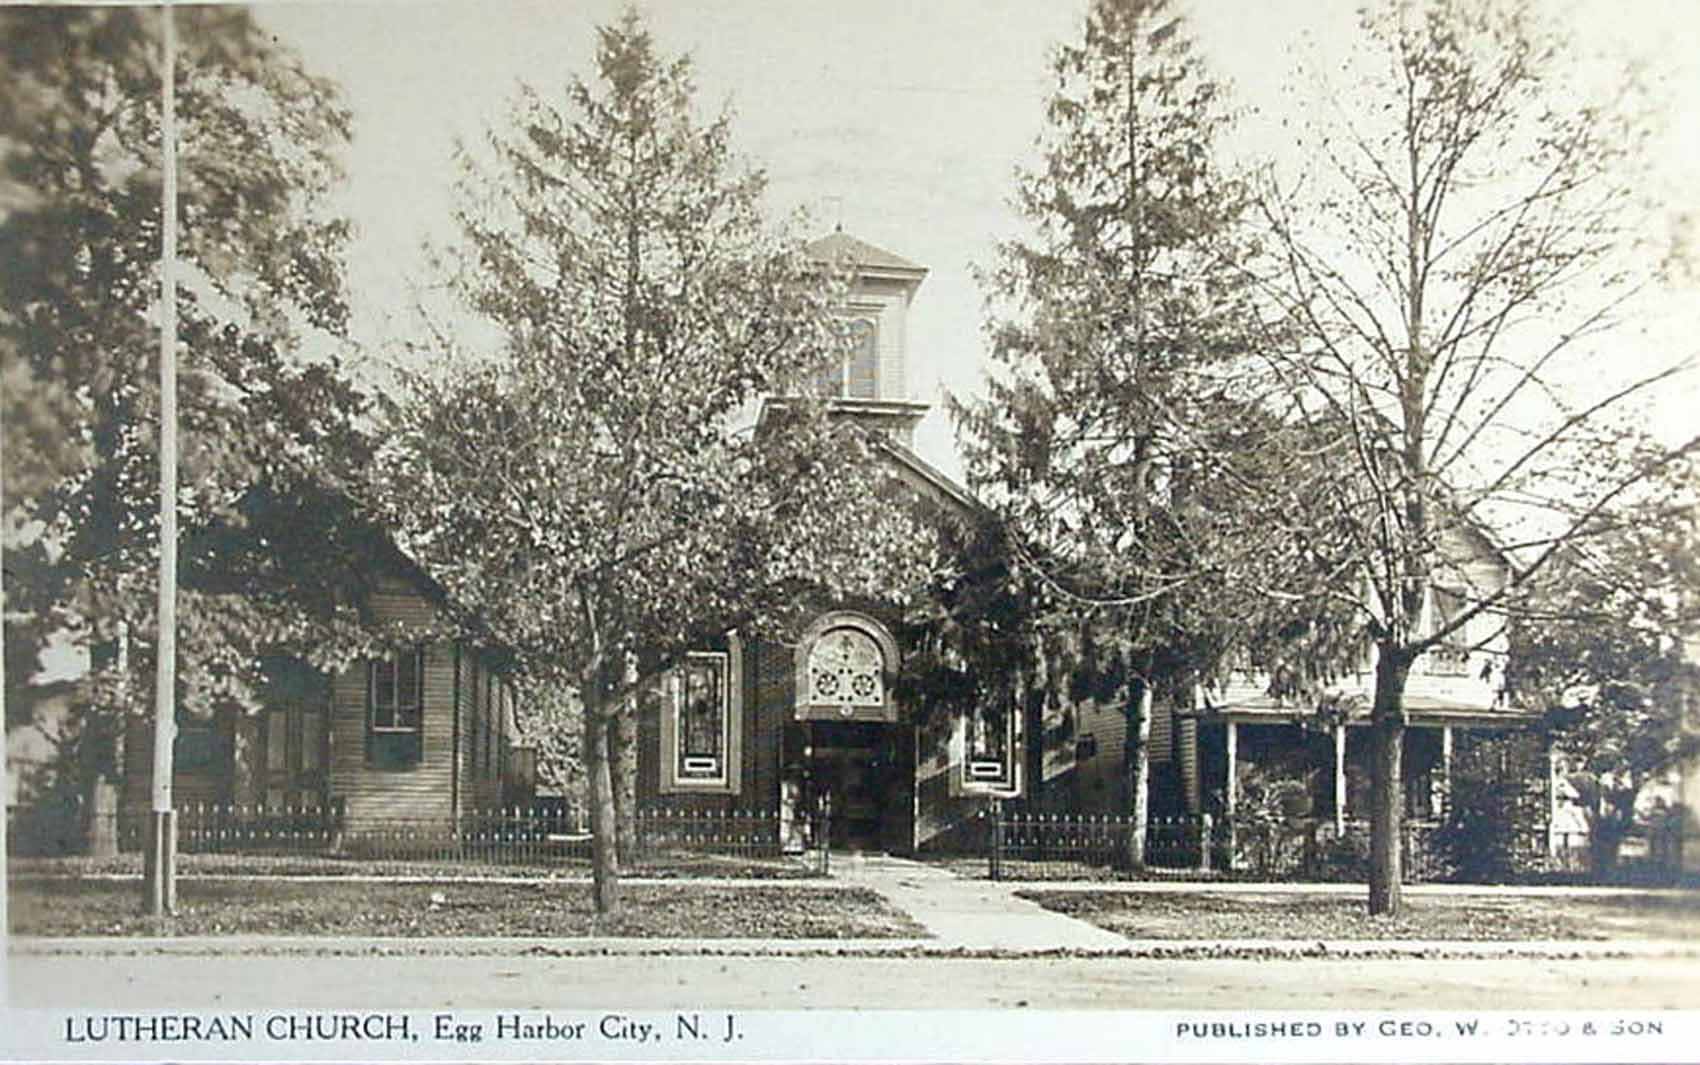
<point>762,725</point>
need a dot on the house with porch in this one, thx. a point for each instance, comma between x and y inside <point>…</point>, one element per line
<point>1456,693</point>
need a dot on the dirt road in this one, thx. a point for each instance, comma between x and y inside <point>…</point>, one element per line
<point>165,981</point>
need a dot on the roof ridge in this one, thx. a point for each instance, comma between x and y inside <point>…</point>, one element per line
<point>841,245</point>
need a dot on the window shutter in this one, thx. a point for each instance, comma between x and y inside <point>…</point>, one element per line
<point>419,707</point>
<point>371,681</point>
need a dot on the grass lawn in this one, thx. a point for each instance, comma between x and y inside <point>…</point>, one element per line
<point>1153,915</point>
<point>331,908</point>
<point>682,865</point>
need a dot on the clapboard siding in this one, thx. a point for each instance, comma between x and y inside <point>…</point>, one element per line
<point>443,784</point>
<point>422,790</point>
<point>213,784</point>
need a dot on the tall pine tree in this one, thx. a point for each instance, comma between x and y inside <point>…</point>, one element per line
<point>584,488</point>
<point>1118,439</point>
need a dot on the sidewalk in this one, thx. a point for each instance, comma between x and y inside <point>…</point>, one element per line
<point>969,914</point>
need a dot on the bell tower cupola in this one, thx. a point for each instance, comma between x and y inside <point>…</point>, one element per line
<point>871,385</point>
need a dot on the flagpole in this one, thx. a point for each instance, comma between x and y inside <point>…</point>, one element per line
<point>161,881</point>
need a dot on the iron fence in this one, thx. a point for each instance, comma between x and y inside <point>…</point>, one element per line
<point>237,838</point>
<point>1021,844</point>
<point>1037,845</point>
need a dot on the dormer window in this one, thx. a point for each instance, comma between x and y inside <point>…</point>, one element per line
<point>1451,657</point>
<point>857,376</point>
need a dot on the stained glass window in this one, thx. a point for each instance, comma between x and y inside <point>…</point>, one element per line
<point>989,745</point>
<point>702,710</point>
<point>846,669</point>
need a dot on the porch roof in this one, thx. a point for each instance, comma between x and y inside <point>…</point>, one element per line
<point>1422,710</point>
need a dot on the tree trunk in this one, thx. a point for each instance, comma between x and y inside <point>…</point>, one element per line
<point>622,773</point>
<point>1139,776</point>
<point>605,870</point>
<point>100,814</point>
<point>102,751</point>
<point>1387,798</point>
<point>1609,823</point>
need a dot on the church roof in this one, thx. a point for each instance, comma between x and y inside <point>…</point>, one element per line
<point>840,245</point>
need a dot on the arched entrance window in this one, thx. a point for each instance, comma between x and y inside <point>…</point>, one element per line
<point>842,667</point>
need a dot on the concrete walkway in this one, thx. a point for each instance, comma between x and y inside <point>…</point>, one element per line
<point>969,914</point>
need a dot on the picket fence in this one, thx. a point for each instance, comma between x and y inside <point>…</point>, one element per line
<point>517,835</point>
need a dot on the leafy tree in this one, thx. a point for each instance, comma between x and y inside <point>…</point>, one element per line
<point>1119,438</point>
<point>549,723</point>
<point>79,292</point>
<point>1467,233</point>
<point>1496,804</point>
<point>1604,655</point>
<point>583,488</point>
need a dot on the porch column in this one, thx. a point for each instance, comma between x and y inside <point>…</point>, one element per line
<point>1231,789</point>
<point>1187,751</point>
<point>1339,781</point>
<point>1445,804</point>
<point>1552,802</point>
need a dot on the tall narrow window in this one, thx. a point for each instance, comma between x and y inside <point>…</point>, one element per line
<point>855,375</point>
<point>702,717</point>
<point>395,695</point>
<point>862,378</point>
<point>990,749</point>
<point>312,739</point>
<point>277,741</point>
<point>1452,657</point>
<point>989,745</point>
<point>699,727</point>
<point>489,723</point>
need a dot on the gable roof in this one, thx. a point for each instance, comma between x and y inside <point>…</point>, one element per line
<point>930,477</point>
<point>839,246</point>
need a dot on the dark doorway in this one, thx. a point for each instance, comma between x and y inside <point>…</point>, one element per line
<point>852,766</point>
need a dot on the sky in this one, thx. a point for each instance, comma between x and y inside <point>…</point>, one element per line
<point>903,122</point>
